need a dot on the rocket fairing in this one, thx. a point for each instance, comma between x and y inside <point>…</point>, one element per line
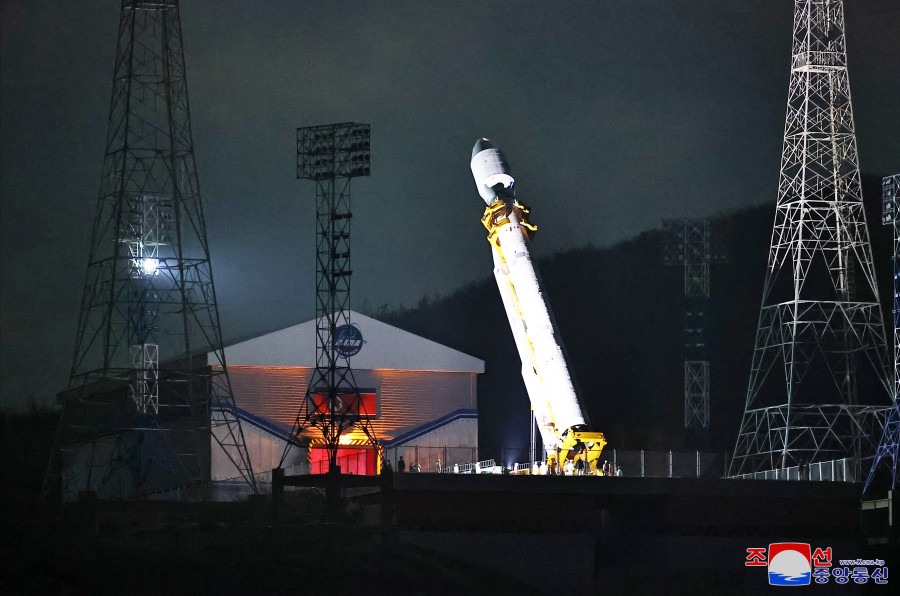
<point>544,367</point>
<point>490,169</point>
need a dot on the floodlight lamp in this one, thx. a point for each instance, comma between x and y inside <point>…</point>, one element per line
<point>150,266</point>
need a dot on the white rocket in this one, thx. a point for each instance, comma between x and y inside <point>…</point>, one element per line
<point>544,368</point>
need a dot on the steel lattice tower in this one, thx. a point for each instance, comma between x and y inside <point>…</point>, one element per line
<point>687,243</point>
<point>815,320</point>
<point>889,448</point>
<point>332,155</point>
<point>148,384</point>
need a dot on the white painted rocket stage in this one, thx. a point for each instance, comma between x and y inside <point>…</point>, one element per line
<point>558,410</point>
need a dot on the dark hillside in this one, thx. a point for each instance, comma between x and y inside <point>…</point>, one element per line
<point>620,312</point>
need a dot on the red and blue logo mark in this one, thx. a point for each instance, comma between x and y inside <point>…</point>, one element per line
<point>347,340</point>
<point>790,564</point>
<point>796,564</point>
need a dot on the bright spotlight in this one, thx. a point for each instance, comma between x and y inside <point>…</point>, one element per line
<point>150,266</point>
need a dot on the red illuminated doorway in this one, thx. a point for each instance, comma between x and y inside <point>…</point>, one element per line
<point>352,460</point>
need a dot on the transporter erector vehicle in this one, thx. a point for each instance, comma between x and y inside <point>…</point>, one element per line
<point>561,419</point>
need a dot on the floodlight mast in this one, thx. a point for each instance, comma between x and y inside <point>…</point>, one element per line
<point>888,453</point>
<point>331,155</point>
<point>688,246</point>
<point>561,420</point>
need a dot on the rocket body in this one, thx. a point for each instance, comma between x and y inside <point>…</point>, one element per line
<point>544,367</point>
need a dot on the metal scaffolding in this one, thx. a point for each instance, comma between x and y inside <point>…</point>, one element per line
<point>331,155</point>
<point>888,451</point>
<point>687,243</point>
<point>148,384</point>
<point>825,329</point>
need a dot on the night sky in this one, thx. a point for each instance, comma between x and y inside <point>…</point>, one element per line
<point>613,115</point>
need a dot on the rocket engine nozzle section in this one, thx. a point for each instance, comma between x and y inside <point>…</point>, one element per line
<point>491,171</point>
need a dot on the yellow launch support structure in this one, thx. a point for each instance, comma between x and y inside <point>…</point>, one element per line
<point>508,219</point>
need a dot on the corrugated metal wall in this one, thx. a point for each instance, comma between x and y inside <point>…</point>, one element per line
<point>265,451</point>
<point>271,392</point>
<point>406,399</point>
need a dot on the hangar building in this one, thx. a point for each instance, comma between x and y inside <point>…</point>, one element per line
<point>425,396</point>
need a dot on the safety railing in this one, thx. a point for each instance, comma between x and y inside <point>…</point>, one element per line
<point>646,464</point>
<point>836,470</point>
<point>477,467</point>
<point>523,468</point>
<point>427,458</point>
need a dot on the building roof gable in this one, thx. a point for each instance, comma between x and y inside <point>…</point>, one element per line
<point>384,347</point>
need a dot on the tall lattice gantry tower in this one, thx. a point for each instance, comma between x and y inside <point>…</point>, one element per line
<point>820,340</point>
<point>148,386</point>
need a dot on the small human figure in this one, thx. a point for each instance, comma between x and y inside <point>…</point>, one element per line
<point>543,468</point>
<point>438,466</point>
<point>618,470</point>
<point>401,465</point>
<point>605,469</point>
<point>570,468</point>
<point>388,468</point>
<point>456,468</point>
<point>579,467</point>
<point>477,468</point>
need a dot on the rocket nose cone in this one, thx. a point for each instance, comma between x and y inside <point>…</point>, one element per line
<point>480,145</point>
